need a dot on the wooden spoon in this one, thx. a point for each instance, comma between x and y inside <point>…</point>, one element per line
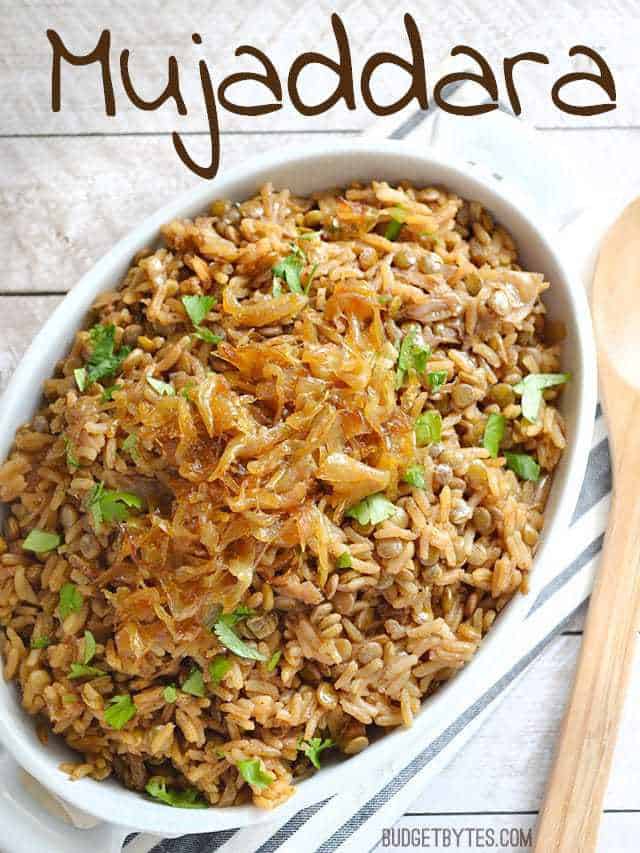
<point>573,804</point>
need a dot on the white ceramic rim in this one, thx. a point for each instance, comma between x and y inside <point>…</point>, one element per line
<point>111,802</point>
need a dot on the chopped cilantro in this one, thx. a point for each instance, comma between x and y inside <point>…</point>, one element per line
<point>272,663</point>
<point>81,670</point>
<point>197,307</point>
<point>523,465</point>
<point>184,798</point>
<point>310,278</point>
<point>223,629</point>
<point>437,378</point>
<point>371,510</point>
<point>493,433</point>
<point>89,649</point>
<point>289,269</point>
<point>344,561</point>
<point>194,683</point>
<point>313,747</point>
<point>163,389</point>
<point>413,355</point>
<point>241,612</point>
<point>253,772</point>
<point>107,394</point>
<point>41,541</point>
<point>107,505</point>
<point>80,376</point>
<point>428,428</point>
<point>531,388</point>
<point>414,475</point>
<point>120,710</point>
<point>72,459</point>
<point>394,227</point>
<point>207,335</point>
<point>218,668</point>
<point>70,600</point>
<point>130,446</point>
<point>170,694</point>
<point>104,360</point>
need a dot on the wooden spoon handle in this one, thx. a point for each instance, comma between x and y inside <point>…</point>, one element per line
<point>573,803</point>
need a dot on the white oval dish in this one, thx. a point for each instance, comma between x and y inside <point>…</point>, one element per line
<point>306,170</point>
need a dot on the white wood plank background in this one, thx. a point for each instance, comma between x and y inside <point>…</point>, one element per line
<point>73,183</point>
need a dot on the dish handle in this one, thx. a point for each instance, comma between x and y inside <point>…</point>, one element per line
<point>33,819</point>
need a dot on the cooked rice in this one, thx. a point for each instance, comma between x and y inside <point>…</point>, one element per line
<point>246,474</point>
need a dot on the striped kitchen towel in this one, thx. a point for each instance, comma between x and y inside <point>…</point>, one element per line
<point>352,822</point>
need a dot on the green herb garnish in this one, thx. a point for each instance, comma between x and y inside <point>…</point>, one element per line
<point>104,360</point>
<point>272,663</point>
<point>252,771</point>
<point>186,798</point>
<point>130,446</point>
<point>289,269</point>
<point>107,505</point>
<point>428,428</point>
<point>121,709</point>
<point>41,541</point>
<point>394,227</point>
<point>371,510</point>
<point>312,275</point>
<point>393,230</point>
<point>80,376</point>
<point>313,747</point>
<point>523,465</point>
<point>436,379</point>
<point>344,561</point>
<point>531,388</point>
<point>163,389</point>
<point>197,307</point>
<point>493,433</point>
<point>170,694</point>
<point>184,391</point>
<point>207,335</point>
<point>107,394</point>
<point>413,355</point>
<point>218,668</point>
<point>70,600</point>
<point>40,643</point>
<point>194,683</point>
<point>81,670</point>
<point>223,629</point>
<point>241,612</point>
<point>72,459</point>
<point>89,649</point>
<point>414,475</point>
<point>130,442</point>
